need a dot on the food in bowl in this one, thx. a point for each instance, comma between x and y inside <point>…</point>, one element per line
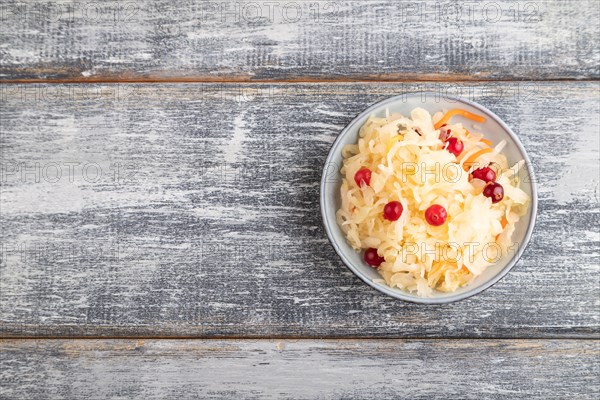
<point>430,204</point>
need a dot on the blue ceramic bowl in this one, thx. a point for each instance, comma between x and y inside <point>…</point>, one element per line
<point>495,130</point>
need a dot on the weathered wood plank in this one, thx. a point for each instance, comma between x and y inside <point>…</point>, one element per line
<point>303,40</point>
<point>305,369</point>
<point>192,210</point>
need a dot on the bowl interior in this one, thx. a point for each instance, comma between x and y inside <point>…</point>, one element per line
<point>493,129</point>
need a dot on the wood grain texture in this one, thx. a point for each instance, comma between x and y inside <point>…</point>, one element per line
<point>192,210</point>
<point>303,40</point>
<point>306,369</point>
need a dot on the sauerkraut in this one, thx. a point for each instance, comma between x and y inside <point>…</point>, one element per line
<point>410,163</point>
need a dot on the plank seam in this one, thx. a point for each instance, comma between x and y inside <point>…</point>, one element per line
<point>293,338</point>
<point>287,81</point>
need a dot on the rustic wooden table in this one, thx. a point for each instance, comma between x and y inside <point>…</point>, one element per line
<point>160,226</point>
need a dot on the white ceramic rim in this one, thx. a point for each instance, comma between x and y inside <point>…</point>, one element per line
<point>396,293</point>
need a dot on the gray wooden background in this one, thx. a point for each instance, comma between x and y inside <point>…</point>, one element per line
<point>160,227</point>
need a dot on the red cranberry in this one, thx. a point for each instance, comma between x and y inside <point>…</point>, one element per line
<point>495,167</point>
<point>392,210</point>
<point>455,146</point>
<point>486,174</point>
<point>372,258</point>
<point>436,215</point>
<point>494,191</point>
<point>363,176</point>
<point>445,133</point>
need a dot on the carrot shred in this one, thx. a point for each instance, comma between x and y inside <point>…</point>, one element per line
<point>458,111</point>
<point>504,222</point>
<point>474,156</point>
<point>482,140</point>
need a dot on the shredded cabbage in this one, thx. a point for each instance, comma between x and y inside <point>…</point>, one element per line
<point>409,163</point>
